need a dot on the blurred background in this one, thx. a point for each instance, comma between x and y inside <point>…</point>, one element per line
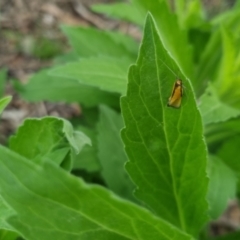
<point>30,39</point>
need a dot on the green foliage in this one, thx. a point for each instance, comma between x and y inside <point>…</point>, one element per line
<point>7,235</point>
<point>43,86</point>
<point>45,48</point>
<point>103,43</point>
<point>111,72</point>
<point>70,209</point>
<point>73,179</point>
<point>169,128</point>
<point>111,148</point>
<point>54,139</point>
<point>123,11</point>
<point>4,102</point>
<point>222,186</point>
<point>213,109</point>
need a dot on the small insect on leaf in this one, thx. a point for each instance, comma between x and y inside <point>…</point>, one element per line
<point>176,96</point>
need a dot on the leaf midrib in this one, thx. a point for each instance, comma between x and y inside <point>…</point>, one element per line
<point>180,213</point>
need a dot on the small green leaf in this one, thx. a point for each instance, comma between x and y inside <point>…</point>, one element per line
<point>75,138</point>
<point>90,42</point>
<point>42,86</point>
<point>48,138</point>
<point>222,186</point>
<point>50,202</point>
<point>213,110</point>
<point>87,159</point>
<point>107,74</point>
<point>122,11</point>
<point>4,102</point>
<point>111,153</point>
<point>165,145</point>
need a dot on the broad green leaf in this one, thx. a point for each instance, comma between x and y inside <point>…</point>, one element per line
<point>5,212</point>
<point>87,159</point>
<point>213,109</point>
<point>174,39</point>
<point>111,153</point>
<point>222,186</point>
<point>42,86</point>
<point>90,42</point>
<point>71,209</point>
<point>165,145</point>
<point>4,102</point>
<point>122,11</point>
<point>67,57</point>
<point>3,77</point>
<point>49,138</point>
<point>8,235</point>
<point>107,74</point>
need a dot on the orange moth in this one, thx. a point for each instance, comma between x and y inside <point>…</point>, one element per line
<point>176,96</point>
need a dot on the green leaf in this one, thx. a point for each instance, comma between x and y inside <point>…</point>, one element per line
<point>227,83</point>
<point>107,74</point>
<point>229,151</point>
<point>71,209</point>
<point>122,11</point>
<point>87,159</point>
<point>111,153</point>
<point>75,138</point>
<point>165,145</point>
<point>213,110</point>
<point>4,102</point>
<point>8,235</point>
<point>174,39</point>
<point>209,63</point>
<point>90,42</point>
<point>217,133</point>
<point>222,186</point>
<point>190,13</point>
<point>65,58</point>
<point>3,77</point>
<point>42,86</point>
<point>49,138</point>
<point>5,212</point>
